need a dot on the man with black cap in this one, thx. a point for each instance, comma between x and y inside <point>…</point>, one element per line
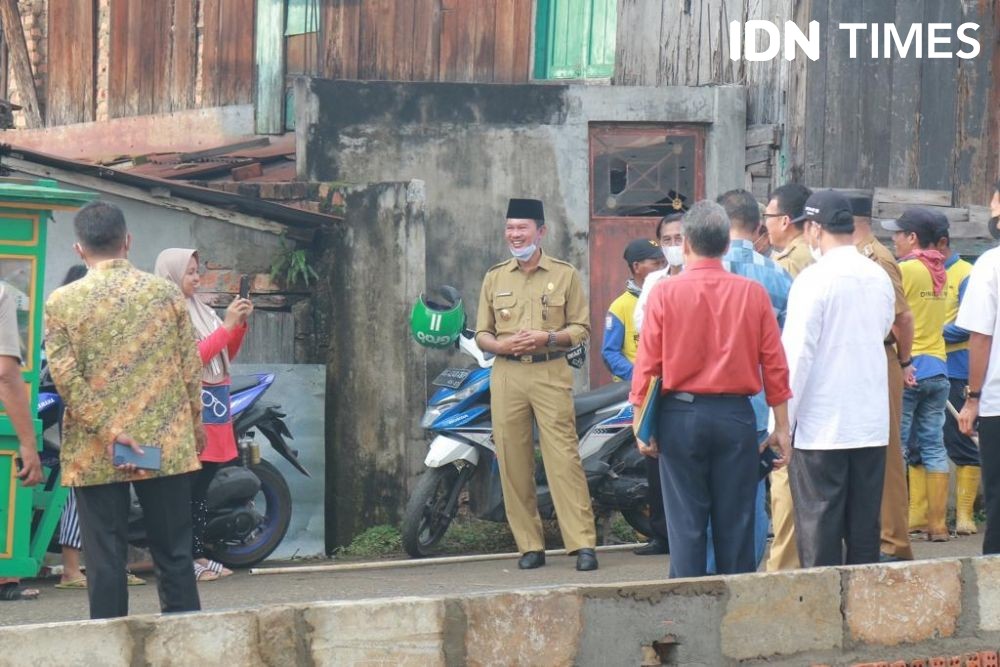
<point>915,235</point>
<point>840,310</point>
<point>895,520</point>
<point>621,342</point>
<point>532,309</point>
<point>621,338</point>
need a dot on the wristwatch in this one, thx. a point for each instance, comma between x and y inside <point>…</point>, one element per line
<point>552,339</point>
<point>972,394</point>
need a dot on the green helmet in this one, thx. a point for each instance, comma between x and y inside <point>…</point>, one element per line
<point>435,324</point>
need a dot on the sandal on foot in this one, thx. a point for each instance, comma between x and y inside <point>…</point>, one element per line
<point>12,591</point>
<point>75,584</point>
<point>218,568</point>
<point>202,573</point>
<point>133,580</point>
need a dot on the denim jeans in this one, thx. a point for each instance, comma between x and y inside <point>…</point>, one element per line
<point>761,526</point>
<point>922,427</point>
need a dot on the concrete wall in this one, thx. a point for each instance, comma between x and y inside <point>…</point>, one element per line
<point>937,613</point>
<point>477,145</point>
<point>371,272</point>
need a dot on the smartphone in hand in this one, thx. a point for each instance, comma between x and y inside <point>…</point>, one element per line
<point>148,460</point>
<point>244,286</point>
<point>767,458</point>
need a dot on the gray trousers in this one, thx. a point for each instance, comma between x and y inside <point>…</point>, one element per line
<point>837,497</point>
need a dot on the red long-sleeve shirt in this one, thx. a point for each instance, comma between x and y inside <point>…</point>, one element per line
<point>708,331</point>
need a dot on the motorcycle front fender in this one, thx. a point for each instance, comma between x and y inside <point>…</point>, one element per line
<point>445,450</point>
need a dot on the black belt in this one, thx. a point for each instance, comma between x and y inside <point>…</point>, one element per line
<point>534,358</point>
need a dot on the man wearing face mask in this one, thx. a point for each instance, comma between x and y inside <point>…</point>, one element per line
<point>840,311</point>
<point>671,237</point>
<point>532,309</point>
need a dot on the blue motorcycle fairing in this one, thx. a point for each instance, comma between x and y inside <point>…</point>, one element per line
<point>444,393</point>
<point>244,399</point>
<point>455,421</point>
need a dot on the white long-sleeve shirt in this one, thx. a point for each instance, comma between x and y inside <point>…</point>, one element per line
<point>840,311</point>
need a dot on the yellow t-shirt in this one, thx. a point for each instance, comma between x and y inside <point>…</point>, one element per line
<point>621,338</point>
<point>929,316</point>
<point>957,273</point>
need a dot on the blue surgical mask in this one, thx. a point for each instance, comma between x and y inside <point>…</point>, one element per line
<point>524,253</point>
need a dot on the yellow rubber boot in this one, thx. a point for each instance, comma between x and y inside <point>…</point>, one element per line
<point>937,506</point>
<point>917,476</point>
<point>966,490</point>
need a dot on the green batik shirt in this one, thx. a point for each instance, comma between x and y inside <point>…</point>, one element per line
<point>123,355</point>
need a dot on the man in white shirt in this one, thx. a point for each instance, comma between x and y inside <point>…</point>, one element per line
<point>840,311</point>
<point>978,316</point>
<point>671,237</point>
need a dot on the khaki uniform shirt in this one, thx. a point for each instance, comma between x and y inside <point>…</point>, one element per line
<point>550,298</point>
<point>873,249</point>
<point>795,256</point>
<point>123,354</point>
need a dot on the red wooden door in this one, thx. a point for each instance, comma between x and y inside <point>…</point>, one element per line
<point>638,174</point>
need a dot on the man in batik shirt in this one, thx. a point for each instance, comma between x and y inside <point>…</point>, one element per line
<point>122,352</point>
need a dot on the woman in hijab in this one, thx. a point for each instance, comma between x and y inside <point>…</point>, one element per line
<point>218,343</point>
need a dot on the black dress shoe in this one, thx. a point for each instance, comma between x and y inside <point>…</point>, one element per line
<point>586,560</point>
<point>652,548</point>
<point>531,559</point>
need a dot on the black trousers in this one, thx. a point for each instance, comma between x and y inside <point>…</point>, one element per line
<point>199,506</point>
<point>708,468</point>
<point>989,455</point>
<point>166,511</point>
<point>657,517</point>
<point>961,450</point>
<point>837,497</point>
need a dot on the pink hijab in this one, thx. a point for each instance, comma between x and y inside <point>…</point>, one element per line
<point>171,264</point>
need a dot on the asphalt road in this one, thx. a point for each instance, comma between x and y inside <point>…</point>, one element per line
<point>244,590</point>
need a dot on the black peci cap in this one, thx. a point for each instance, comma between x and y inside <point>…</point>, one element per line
<point>525,209</point>
<point>861,205</point>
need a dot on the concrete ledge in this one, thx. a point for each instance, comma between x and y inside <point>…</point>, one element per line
<point>879,614</point>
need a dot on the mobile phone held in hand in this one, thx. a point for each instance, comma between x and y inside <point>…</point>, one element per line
<point>767,458</point>
<point>148,460</point>
<point>244,286</point>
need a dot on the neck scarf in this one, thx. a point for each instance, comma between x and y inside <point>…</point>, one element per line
<point>934,261</point>
<point>171,264</point>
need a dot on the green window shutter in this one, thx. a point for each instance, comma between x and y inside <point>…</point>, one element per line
<point>575,38</point>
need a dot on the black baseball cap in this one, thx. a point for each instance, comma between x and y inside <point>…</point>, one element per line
<point>831,209</point>
<point>641,250</point>
<point>919,219</point>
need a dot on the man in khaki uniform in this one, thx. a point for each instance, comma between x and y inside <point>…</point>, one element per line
<point>784,220</point>
<point>895,520</point>
<point>531,310</point>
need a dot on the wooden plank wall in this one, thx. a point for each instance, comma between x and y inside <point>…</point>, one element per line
<point>71,60</point>
<point>228,52</point>
<point>427,40</point>
<point>851,123</point>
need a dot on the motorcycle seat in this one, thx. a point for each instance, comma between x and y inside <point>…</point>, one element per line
<point>592,401</point>
<point>242,383</point>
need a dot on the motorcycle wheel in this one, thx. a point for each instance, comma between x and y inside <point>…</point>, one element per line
<point>266,537</point>
<point>424,522</point>
<point>639,520</point>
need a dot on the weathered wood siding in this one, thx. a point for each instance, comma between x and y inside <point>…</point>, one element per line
<point>852,123</point>
<point>427,40</point>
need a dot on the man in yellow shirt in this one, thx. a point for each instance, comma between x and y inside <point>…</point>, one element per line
<point>915,235</point>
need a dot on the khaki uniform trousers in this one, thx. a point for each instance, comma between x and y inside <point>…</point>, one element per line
<point>784,554</point>
<point>895,502</point>
<point>543,391</point>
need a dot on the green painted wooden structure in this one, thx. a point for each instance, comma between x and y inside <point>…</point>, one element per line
<point>28,517</point>
<point>575,39</point>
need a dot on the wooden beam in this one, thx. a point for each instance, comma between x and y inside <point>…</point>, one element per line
<point>269,102</point>
<point>17,48</point>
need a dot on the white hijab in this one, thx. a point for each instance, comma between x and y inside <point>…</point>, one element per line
<point>171,264</point>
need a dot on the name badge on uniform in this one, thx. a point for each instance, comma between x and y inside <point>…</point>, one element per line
<point>504,294</point>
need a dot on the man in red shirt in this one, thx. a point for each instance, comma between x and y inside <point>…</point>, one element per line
<point>723,339</point>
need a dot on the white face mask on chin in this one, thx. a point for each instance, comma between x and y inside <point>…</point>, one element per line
<point>523,254</point>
